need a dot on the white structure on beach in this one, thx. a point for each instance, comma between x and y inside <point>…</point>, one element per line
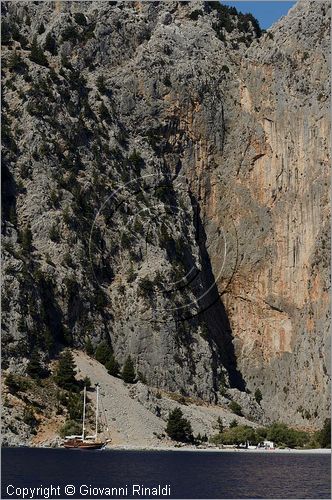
<point>268,445</point>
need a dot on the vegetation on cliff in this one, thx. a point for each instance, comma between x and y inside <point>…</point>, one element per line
<point>178,427</point>
<point>121,179</point>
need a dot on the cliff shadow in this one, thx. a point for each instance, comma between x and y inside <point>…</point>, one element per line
<point>213,309</point>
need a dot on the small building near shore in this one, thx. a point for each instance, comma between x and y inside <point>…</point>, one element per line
<point>268,445</point>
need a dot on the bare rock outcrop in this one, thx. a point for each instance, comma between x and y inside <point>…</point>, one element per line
<point>166,188</point>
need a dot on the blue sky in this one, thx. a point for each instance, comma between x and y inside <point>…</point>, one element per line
<point>267,12</point>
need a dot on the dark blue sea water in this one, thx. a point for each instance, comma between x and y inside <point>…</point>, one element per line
<point>188,474</point>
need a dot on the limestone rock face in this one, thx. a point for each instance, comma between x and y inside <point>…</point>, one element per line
<point>166,188</point>
<point>278,299</point>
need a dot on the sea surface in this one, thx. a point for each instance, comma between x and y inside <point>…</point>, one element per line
<point>181,474</point>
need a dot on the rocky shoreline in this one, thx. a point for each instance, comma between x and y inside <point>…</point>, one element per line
<point>136,415</point>
<point>212,449</point>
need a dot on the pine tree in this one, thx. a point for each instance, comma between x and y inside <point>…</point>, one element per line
<point>179,428</point>
<point>12,217</point>
<point>103,352</point>
<point>65,374</point>
<point>101,84</point>
<point>54,233</point>
<point>113,366</point>
<point>14,60</point>
<point>34,367</point>
<point>128,371</point>
<point>87,383</point>
<point>50,44</point>
<point>36,53</point>
<point>48,340</point>
<point>41,29</point>
<point>325,434</point>
<point>89,348</point>
<point>26,239</point>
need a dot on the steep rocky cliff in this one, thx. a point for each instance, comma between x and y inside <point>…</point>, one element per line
<point>166,188</point>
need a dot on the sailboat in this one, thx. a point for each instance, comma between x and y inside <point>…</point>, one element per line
<point>84,442</point>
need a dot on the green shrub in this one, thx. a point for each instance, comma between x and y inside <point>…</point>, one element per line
<point>16,383</point>
<point>167,82</point>
<point>281,434</point>
<point>70,428</point>
<point>131,275</point>
<point>225,69</point>
<point>162,193</point>
<point>100,300</point>
<point>54,233</point>
<point>65,62</point>
<point>237,435</point>
<point>145,287</point>
<point>5,32</point>
<point>71,285</point>
<point>26,239</point>
<point>80,18</point>
<point>201,439</point>
<point>307,414</point>
<point>68,260</point>
<point>258,396</point>
<point>66,215</point>
<point>104,113</point>
<point>324,435</point>
<point>233,424</point>
<point>128,371</point>
<point>54,198</point>
<point>101,84</point>
<point>136,159</point>
<point>70,33</point>
<point>178,427</point>
<point>29,417</point>
<point>126,241</point>
<point>138,227</point>
<point>221,426</point>
<point>89,32</point>
<point>194,15</point>
<point>236,408</point>
<point>159,280</point>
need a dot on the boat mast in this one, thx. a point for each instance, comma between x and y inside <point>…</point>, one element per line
<point>97,405</point>
<point>84,404</point>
